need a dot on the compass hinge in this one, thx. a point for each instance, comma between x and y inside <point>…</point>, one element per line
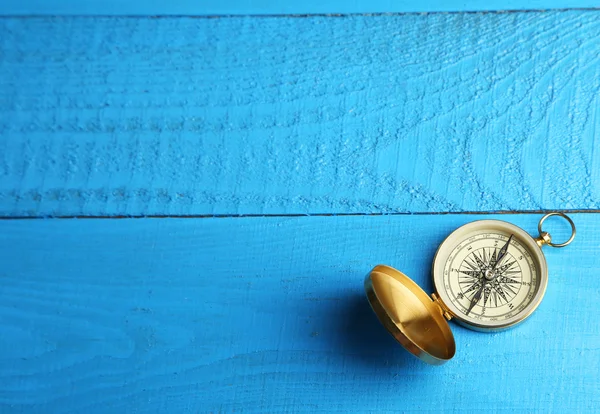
<point>445,311</point>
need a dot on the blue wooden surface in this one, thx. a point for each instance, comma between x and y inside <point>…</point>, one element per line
<point>360,114</point>
<point>364,114</point>
<point>268,315</point>
<point>269,7</point>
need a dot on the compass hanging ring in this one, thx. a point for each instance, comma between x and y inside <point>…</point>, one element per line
<point>545,238</point>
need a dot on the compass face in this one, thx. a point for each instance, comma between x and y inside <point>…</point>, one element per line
<point>490,274</point>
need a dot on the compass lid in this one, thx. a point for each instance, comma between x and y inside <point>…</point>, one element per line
<point>410,315</point>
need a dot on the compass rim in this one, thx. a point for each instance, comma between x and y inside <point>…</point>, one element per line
<point>530,244</point>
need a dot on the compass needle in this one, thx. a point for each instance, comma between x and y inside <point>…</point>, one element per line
<point>486,295</point>
<point>476,298</point>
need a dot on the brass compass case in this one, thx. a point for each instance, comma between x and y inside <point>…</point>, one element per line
<point>409,315</point>
<point>491,229</point>
<point>488,275</point>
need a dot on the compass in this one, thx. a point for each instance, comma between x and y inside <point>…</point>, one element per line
<point>488,275</point>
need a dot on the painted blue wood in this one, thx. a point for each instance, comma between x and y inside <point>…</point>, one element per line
<point>268,315</point>
<point>234,7</point>
<point>362,114</point>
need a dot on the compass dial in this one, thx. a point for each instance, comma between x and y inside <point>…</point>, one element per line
<point>507,286</point>
<point>491,277</point>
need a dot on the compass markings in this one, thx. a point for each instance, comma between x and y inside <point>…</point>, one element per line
<point>500,291</point>
<point>473,287</point>
<point>489,284</point>
<point>486,295</point>
<point>505,279</point>
<point>471,265</point>
<point>470,273</point>
<point>471,277</point>
<point>505,267</point>
<point>507,286</point>
<point>479,261</point>
<point>493,257</point>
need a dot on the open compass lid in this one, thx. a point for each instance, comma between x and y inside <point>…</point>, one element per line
<point>410,315</point>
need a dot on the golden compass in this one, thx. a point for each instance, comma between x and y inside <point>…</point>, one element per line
<point>488,275</point>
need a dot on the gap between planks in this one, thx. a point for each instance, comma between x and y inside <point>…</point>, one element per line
<point>291,15</point>
<point>204,216</point>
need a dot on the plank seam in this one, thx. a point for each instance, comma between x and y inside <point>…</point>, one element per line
<point>290,15</point>
<point>209,216</point>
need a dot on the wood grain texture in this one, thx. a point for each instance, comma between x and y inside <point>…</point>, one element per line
<point>269,7</point>
<point>361,114</point>
<point>268,315</point>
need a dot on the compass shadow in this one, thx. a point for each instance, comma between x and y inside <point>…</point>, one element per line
<point>365,341</point>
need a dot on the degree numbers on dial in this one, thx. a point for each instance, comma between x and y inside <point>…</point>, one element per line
<point>508,286</point>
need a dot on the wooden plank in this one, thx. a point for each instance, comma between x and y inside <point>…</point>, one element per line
<point>268,315</point>
<point>269,7</point>
<point>361,114</point>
